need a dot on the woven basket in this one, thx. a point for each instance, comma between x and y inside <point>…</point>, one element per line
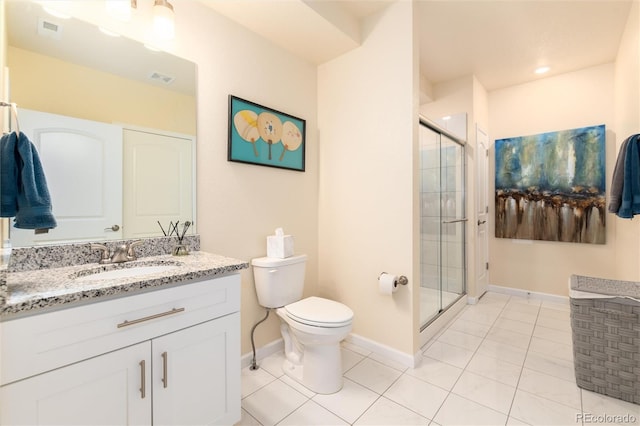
<point>606,345</point>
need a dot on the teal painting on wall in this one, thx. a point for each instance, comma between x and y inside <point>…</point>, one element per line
<point>551,186</point>
<point>263,136</point>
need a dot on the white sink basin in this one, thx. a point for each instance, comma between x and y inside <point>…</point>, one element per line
<point>136,271</point>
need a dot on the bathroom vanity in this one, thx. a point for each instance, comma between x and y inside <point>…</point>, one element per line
<point>156,342</point>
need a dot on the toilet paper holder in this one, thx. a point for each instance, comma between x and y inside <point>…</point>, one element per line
<point>401,280</point>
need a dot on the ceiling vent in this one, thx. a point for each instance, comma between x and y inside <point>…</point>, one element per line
<point>161,78</point>
<point>49,29</point>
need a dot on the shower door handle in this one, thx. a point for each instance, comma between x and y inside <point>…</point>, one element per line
<point>455,220</point>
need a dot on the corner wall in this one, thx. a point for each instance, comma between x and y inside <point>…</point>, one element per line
<point>240,204</point>
<point>367,117</point>
<point>627,110</point>
<point>567,101</point>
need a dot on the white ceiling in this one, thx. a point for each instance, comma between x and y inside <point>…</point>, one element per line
<point>500,42</point>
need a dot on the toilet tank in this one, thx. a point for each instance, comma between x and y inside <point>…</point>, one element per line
<point>279,282</point>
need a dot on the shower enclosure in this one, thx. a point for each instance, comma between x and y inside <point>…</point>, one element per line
<point>443,221</point>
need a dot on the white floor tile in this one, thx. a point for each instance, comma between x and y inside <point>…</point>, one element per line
<point>297,386</point>
<point>454,355</point>
<point>387,412</point>
<point>502,351</point>
<point>534,410</point>
<point>487,392</point>
<point>273,364</point>
<point>273,402</point>
<point>598,406</point>
<point>556,306</point>
<point>436,372</point>
<point>550,387</point>
<point>312,414</point>
<point>509,337</point>
<point>252,380</point>
<point>247,420</point>
<point>388,362</point>
<point>517,315</point>
<point>514,325</point>
<point>349,359</point>
<point>473,328</point>
<point>421,397</point>
<point>551,365</point>
<point>350,402</point>
<point>495,369</point>
<point>475,314</point>
<point>458,338</point>
<point>554,349</point>
<point>515,422</point>
<point>457,410</point>
<point>373,375</point>
<point>558,336</point>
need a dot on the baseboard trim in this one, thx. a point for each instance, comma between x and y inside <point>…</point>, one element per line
<point>400,357</point>
<point>528,294</point>
<point>263,352</point>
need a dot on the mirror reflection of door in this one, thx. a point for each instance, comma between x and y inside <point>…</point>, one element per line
<point>81,161</point>
<point>158,169</point>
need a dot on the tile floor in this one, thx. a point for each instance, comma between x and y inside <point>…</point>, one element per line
<point>505,361</point>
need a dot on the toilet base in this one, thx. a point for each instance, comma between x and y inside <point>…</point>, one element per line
<point>320,370</point>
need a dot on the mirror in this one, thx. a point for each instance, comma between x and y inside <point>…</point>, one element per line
<point>70,68</point>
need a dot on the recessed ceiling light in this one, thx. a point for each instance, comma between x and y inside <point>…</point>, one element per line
<point>542,70</point>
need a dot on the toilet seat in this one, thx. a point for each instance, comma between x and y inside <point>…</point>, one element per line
<point>319,312</point>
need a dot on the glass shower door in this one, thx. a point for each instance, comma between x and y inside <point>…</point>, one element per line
<point>442,192</point>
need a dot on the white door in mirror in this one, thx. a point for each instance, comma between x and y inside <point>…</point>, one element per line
<point>81,161</point>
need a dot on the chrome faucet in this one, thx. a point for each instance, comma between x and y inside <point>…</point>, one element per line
<point>122,253</point>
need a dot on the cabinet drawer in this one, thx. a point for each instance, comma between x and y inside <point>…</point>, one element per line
<point>40,343</point>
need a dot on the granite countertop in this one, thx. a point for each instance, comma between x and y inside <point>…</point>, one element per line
<point>26,292</point>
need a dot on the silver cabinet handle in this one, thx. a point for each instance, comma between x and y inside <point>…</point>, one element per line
<point>114,228</point>
<point>455,220</point>
<point>143,379</point>
<point>127,323</point>
<point>165,378</point>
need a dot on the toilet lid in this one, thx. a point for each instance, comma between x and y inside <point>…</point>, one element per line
<point>319,312</point>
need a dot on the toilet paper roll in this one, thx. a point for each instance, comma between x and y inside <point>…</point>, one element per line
<point>387,284</point>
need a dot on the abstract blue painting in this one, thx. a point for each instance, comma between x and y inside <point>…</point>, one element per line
<point>551,186</point>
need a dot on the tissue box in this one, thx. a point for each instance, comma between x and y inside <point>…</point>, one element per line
<point>280,246</point>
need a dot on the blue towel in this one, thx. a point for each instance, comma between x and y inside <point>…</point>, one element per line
<point>617,182</point>
<point>27,196</point>
<point>630,204</point>
<point>8,175</point>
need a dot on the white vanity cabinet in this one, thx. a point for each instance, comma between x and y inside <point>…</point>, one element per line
<point>165,357</point>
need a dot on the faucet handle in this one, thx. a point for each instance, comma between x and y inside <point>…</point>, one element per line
<point>105,255</point>
<point>131,254</point>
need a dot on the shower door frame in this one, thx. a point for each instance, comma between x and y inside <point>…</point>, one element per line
<point>423,121</point>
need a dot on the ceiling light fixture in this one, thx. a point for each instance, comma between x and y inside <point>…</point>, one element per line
<point>120,9</point>
<point>164,24</point>
<point>163,16</point>
<point>542,70</point>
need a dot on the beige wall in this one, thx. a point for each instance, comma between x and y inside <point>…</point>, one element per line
<point>94,95</point>
<point>368,198</point>
<point>572,100</point>
<point>627,119</point>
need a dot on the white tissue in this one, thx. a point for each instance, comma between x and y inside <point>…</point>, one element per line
<point>279,245</point>
<point>387,284</point>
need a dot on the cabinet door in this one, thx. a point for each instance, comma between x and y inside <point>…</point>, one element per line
<point>105,390</point>
<point>196,376</point>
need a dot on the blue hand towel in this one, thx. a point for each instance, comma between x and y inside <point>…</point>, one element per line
<point>630,204</point>
<point>8,175</point>
<point>25,194</point>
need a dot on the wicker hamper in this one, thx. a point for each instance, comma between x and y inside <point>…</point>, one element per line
<point>605,324</point>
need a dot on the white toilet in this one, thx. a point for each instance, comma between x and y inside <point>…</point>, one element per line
<point>312,328</point>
